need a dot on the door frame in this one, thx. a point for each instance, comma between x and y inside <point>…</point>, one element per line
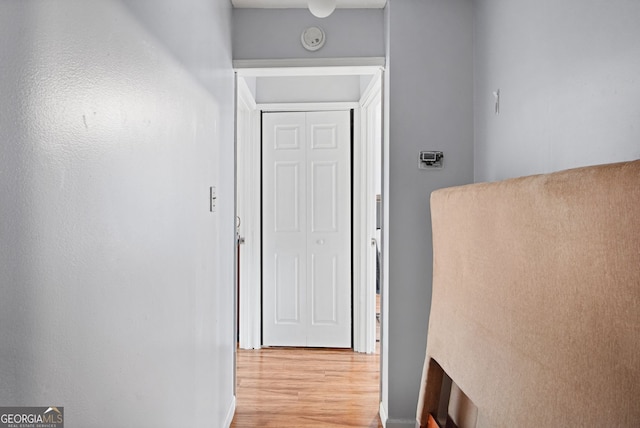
<point>364,205</point>
<point>249,229</point>
<point>248,163</point>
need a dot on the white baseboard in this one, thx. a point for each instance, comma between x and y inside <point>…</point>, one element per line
<point>230,413</point>
<point>383,415</point>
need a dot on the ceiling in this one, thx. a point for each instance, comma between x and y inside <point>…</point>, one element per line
<point>302,4</point>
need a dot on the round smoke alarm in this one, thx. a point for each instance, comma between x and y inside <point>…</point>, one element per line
<point>313,38</point>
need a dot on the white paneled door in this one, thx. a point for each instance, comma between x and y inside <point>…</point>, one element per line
<point>306,209</point>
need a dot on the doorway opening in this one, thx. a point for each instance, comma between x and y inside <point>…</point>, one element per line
<point>312,89</point>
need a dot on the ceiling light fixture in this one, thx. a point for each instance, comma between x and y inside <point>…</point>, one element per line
<point>322,8</point>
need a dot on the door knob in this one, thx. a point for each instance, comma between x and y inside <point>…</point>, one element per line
<point>320,242</point>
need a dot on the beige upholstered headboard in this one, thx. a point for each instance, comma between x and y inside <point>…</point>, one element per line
<point>535,312</point>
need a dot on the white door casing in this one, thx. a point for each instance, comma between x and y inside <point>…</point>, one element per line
<point>307,229</point>
<point>248,211</point>
<point>365,236</point>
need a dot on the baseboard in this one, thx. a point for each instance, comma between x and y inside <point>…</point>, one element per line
<point>383,415</point>
<point>230,413</point>
<point>394,423</point>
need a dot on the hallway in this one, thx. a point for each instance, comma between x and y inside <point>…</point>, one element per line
<point>307,387</point>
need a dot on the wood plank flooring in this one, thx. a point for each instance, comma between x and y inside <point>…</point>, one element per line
<point>302,387</point>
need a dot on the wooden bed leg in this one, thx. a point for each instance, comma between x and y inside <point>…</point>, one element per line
<point>429,399</point>
<point>431,422</point>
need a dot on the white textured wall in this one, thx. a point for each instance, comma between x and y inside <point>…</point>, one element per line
<point>117,289</point>
<point>569,77</point>
<point>430,95</point>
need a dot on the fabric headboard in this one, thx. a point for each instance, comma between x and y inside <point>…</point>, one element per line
<point>535,310</point>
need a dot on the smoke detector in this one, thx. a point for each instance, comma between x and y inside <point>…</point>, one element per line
<point>313,38</point>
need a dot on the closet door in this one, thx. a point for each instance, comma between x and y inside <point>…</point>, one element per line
<point>306,229</point>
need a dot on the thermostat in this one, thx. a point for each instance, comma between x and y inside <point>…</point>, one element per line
<point>430,159</point>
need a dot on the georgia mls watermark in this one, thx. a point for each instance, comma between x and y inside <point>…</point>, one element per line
<point>32,417</point>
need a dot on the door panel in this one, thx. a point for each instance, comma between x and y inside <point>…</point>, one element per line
<point>307,229</point>
<point>287,288</point>
<point>329,239</point>
<point>324,197</point>
<point>286,199</point>
<point>284,230</point>
<point>324,291</point>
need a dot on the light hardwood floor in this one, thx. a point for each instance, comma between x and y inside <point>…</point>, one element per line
<point>301,387</point>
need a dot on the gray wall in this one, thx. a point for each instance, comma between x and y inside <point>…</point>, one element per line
<point>569,78</point>
<point>570,95</point>
<point>429,97</point>
<point>430,92</point>
<point>117,283</point>
<point>275,33</point>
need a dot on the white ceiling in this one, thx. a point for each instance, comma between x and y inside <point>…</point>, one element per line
<point>302,4</point>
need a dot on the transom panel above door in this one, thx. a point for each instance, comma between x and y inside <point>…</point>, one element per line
<point>306,194</point>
